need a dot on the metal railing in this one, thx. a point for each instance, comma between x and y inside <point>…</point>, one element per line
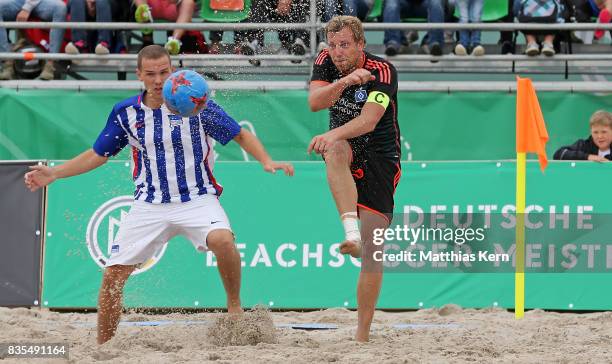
<point>288,26</point>
<point>404,86</point>
<point>313,26</point>
<point>133,57</point>
<point>236,57</point>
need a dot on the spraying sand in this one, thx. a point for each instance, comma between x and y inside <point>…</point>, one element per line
<point>253,328</point>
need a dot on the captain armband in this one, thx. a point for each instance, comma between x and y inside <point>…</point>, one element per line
<point>380,98</point>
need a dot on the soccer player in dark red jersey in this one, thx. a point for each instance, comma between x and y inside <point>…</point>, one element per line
<point>361,149</point>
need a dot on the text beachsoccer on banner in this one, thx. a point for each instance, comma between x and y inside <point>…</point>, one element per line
<point>486,243</point>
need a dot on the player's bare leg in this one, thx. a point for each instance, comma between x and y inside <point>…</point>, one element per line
<point>110,300</point>
<point>342,186</point>
<point>221,243</point>
<point>370,277</point>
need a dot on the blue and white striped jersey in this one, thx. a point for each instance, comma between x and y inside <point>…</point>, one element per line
<point>172,157</point>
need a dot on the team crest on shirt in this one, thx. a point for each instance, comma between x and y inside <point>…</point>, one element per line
<point>361,95</point>
<point>175,121</point>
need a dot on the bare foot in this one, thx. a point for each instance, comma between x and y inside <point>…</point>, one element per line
<point>351,247</point>
<point>235,312</point>
<point>362,338</point>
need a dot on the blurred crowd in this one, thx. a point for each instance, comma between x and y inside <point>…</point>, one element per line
<point>296,42</point>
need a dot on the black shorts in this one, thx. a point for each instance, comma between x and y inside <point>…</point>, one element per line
<point>376,177</point>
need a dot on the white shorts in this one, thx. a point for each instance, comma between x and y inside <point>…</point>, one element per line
<point>147,227</point>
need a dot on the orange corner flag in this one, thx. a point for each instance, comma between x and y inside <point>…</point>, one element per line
<point>531,134</point>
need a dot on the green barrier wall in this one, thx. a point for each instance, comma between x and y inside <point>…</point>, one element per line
<point>55,124</point>
<point>286,229</point>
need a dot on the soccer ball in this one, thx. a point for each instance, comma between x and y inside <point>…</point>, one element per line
<point>185,93</point>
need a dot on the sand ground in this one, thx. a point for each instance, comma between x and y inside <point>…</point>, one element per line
<point>446,335</point>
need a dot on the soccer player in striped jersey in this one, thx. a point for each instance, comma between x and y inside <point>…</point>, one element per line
<point>362,149</point>
<point>175,190</point>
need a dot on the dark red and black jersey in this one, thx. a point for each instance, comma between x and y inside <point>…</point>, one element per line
<point>385,138</point>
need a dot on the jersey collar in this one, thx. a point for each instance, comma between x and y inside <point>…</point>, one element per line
<point>141,99</point>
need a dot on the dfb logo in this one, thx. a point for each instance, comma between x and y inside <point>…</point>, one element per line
<point>102,230</point>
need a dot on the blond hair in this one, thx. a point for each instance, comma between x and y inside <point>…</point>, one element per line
<point>337,23</point>
<point>601,118</point>
<point>152,51</point>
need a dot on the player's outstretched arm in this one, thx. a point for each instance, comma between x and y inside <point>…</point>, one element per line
<point>41,176</point>
<point>322,95</point>
<point>253,146</point>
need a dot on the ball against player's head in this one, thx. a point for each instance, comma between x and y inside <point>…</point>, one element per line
<point>185,93</point>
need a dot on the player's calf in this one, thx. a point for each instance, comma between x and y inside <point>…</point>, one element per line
<point>338,160</point>
<point>110,299</point>
<point>221,243</point>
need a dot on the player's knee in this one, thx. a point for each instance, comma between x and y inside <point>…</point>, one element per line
<point>369,261</point>
<point>339,153</point>
<point>219,240</point>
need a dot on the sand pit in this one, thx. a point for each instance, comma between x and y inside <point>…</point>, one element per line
<point>446,335</point>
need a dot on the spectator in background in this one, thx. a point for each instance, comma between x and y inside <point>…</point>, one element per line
<point>361,9</point>
<point>587,9</point>
<point>597,146</point>
<point>277,11</point>
<point>470,11</point>
<point>539,11</point>
<point>358,8</point>
<point>20,10</point>
<point>121,11</point>
<point>90,10</point>
<point>216,36</point>
<point>176,11</point>
<point>506,37</point>
<point>602,9</point>
<point>327,10</point>
<point>395,10</point>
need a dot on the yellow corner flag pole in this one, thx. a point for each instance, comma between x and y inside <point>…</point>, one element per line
<point>519,274</point>
<point>531,136</point>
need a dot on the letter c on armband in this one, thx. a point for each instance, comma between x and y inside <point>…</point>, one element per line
<point>380,98</point>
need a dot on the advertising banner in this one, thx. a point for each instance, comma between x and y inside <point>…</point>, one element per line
<point>287,231</point>
<point>433,125</point>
